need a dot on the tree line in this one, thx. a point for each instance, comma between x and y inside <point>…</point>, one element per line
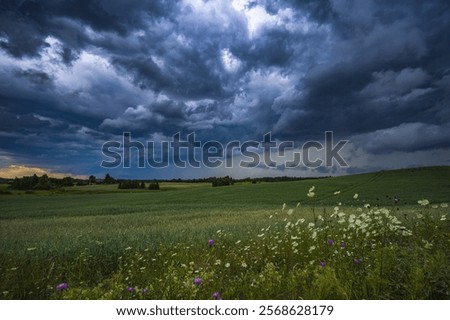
<point>45,182</point>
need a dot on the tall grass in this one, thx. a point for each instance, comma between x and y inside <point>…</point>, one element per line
<point>296,252</point>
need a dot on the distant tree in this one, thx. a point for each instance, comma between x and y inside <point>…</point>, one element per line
<point>153,186</point>
<point>109,180</point>
<point>129,184</point>
<point>34,180</point>
<point>219,182</point>
<point>43,184</point>
<point>92,179</point>
<point>142,185</point>
<point>67,182</point>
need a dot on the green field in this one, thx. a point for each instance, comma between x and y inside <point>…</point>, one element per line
<point>110,243</point>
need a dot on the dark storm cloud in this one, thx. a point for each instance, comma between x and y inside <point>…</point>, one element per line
<point>382,71</point>
<point>262,54</point>
<point>35,76</point>
<point>81,72</point>
<point>406,137</point>
<point>144,70</point>
<point>26,23</point>
<point>11,122</point>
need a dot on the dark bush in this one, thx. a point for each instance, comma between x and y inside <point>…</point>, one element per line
<point>153,186</point>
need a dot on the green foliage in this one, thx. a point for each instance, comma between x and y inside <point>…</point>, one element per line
<point>348,253</point>
<point>109,180</point>
<point>220,182</point>
<point>92,179</point>
<point>153,186</point>
<point>41,183</point>
<point>129,184</point>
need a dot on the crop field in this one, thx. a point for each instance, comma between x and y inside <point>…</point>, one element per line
<point>381,235</point>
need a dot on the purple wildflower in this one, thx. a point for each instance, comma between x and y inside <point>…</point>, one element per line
<point>323,264</point>
<point>330,242</point>
<point>144,291</point>
<point>216,296</point>
<point>62,286</point>
<point>342,245</point>
<point>130,289</point>
<point>357,261</point>
<point>198,281</point>
<point>211,242</point>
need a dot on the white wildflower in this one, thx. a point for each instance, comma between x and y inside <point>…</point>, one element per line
<point>407,233</point>
<point>427,245</point>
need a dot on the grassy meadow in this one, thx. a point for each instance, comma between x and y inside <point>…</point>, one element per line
<point>346,238</point>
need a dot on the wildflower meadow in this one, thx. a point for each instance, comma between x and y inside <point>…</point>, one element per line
<point>353,249</point>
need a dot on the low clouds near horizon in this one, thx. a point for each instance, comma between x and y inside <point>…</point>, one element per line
<point>78,73</point>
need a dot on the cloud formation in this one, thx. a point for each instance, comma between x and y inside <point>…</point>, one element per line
<point>81,72</point>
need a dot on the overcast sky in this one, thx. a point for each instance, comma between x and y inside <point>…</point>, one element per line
<point>74,74</point>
